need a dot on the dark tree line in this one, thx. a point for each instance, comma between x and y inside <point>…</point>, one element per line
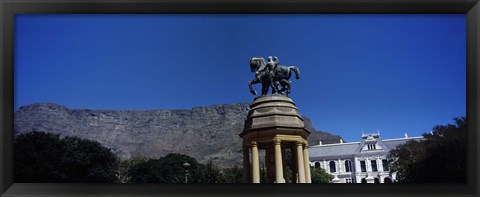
<point>46,157</point>
<point>171,169</point>
<point>440,157</point>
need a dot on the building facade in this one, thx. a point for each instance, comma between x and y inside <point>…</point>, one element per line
<point>357,162</point>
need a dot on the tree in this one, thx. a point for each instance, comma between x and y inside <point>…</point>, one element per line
<point>440,157</point>
<point>232,175</point>
<point>37,157</point>
<point>168,169</point>
<point>123,167</point>
<point>209,174</point>
<point>44,157</point>
<point>319,175</point>
<point>87,161</point>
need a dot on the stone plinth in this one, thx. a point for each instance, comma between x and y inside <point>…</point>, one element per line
<point>273,112</point>
<point>274,123</point>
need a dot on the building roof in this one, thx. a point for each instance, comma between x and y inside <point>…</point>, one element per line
<point>392,143</point>
<point>341,149</point>
<point>333,149</point>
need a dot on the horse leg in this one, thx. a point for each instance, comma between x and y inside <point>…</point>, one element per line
<point>265,87</point>
<point>275,87</point>
<point>282,91</point>
<point>287,85</point>
<point>255,81</point>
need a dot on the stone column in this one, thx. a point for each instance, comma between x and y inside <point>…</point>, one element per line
<point>246,165</point>
<point>325,166</point>
<point>278,163</point>
<point>357,165</point>
<point>368,165</point>
<point>379,165</point>
<point>306,159</point>
<point>340,166</point>
<point>284,161</point>
<point>300,163</point>
<point>255,164</point>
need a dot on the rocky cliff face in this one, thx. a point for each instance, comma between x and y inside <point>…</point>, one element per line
<point>205,133</point>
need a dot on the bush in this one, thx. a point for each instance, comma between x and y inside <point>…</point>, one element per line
<point>44,157</point>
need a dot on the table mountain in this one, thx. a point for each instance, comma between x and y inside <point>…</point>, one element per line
<point>205,133</point>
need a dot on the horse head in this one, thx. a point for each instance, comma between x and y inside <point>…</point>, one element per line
<point>256,63</point>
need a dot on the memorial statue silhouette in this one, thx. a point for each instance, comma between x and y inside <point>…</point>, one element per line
<point>274,124</point>
<point>271,74</point>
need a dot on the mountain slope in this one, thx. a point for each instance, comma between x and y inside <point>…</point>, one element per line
<point>205,133</point>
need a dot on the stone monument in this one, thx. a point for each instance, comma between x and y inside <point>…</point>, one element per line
<point>274,124</point>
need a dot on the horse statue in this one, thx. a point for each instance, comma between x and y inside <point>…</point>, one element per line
<point>270,74</point>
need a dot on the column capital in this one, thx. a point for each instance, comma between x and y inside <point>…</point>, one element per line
<point>277,141</point>
<point>253,144</point>
<point>299,143</point>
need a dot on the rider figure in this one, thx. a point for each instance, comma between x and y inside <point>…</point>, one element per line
<point>272,65</point>
<point>275,62</point>
<point>269,69</point>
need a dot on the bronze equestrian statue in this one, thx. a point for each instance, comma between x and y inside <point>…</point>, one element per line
<point>271,74</point>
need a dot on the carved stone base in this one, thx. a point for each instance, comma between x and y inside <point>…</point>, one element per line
<point>274,123</point>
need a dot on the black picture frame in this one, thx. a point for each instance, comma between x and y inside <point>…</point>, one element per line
<point>8,9</point>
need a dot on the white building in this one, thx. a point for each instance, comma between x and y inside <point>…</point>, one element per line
<point>357,162</point>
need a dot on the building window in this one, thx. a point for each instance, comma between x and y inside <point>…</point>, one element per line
<point>374,165</point>
<point>348,166</point>
<point>317,164</point>
<point>385,165</point>
<point>371,146</point>
<point>332,167</point>
<point>363,167</point>
<point>348,181</point>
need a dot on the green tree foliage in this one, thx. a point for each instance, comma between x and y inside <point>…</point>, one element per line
<point>44,157</point>
<point>319,175</point>
<point>208,174</point>
<point>141,171</point>
<point>37,157</point>
<point>440,157</point>
<point>123,167</point>
<point>263,174</point>
<point>232,175</point>
<point>168,169</point>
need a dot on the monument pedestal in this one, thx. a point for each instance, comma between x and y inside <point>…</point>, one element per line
<point>274,124</point>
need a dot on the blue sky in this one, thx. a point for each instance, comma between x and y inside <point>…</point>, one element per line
<point>393,73</point>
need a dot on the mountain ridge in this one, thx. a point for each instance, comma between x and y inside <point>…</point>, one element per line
<point>203,132</point>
